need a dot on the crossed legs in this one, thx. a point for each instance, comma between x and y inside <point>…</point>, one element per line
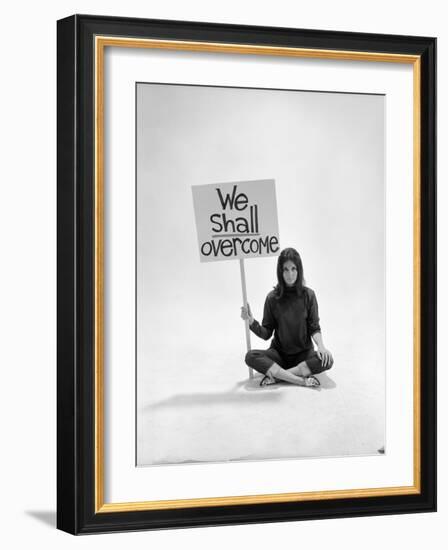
<point>297,375</point>
<point>270,363</point>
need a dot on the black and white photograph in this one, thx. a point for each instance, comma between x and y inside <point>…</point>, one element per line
<point>260,274</point>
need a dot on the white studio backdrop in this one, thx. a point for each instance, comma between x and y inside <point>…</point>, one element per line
<point>326,154</point>
<point>27,225</point>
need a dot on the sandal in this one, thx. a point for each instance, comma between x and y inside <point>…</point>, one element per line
<point>311,382</point>
<point>267,381</point>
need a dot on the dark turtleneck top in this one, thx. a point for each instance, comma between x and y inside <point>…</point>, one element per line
<point>293,319</point>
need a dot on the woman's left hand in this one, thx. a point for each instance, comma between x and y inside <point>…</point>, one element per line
<point>325,356</point>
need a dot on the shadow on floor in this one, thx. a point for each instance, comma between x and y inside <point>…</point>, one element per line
<point>228,397</point>
<point>256,394</point>
<point>253,384</point>
<point>48,517</point>
<point>326,383</point>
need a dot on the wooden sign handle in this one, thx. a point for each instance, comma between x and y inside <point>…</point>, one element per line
<point>243,286</point>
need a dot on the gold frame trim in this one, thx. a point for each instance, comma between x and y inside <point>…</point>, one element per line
<point>101,42</point>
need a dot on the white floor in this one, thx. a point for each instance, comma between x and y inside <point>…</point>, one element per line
<point>214,413</point>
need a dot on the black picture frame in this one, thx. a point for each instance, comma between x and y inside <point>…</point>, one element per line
<point>79,505</point>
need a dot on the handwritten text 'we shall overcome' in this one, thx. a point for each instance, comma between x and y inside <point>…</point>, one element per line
<point>235,230</point>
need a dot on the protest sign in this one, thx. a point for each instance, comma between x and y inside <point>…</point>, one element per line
<point>236,220</point>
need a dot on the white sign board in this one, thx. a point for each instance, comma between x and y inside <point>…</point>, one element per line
<point>236,220</point>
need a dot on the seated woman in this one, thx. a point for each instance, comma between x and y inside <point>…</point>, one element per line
<point>290,312</point>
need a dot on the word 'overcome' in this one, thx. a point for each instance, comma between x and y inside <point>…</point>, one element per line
<point>237,236</point>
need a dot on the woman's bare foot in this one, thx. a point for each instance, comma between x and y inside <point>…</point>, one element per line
<point>311,382</point>
<point>268,381</point>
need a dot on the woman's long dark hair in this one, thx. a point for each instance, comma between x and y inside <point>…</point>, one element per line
<point>289,254</point>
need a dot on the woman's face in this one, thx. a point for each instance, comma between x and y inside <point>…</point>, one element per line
<point>289,273</point>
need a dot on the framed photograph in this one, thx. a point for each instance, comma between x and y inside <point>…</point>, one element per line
<point>246,274</point>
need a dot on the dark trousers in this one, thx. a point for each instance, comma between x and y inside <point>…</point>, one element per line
<point>261,360</point>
